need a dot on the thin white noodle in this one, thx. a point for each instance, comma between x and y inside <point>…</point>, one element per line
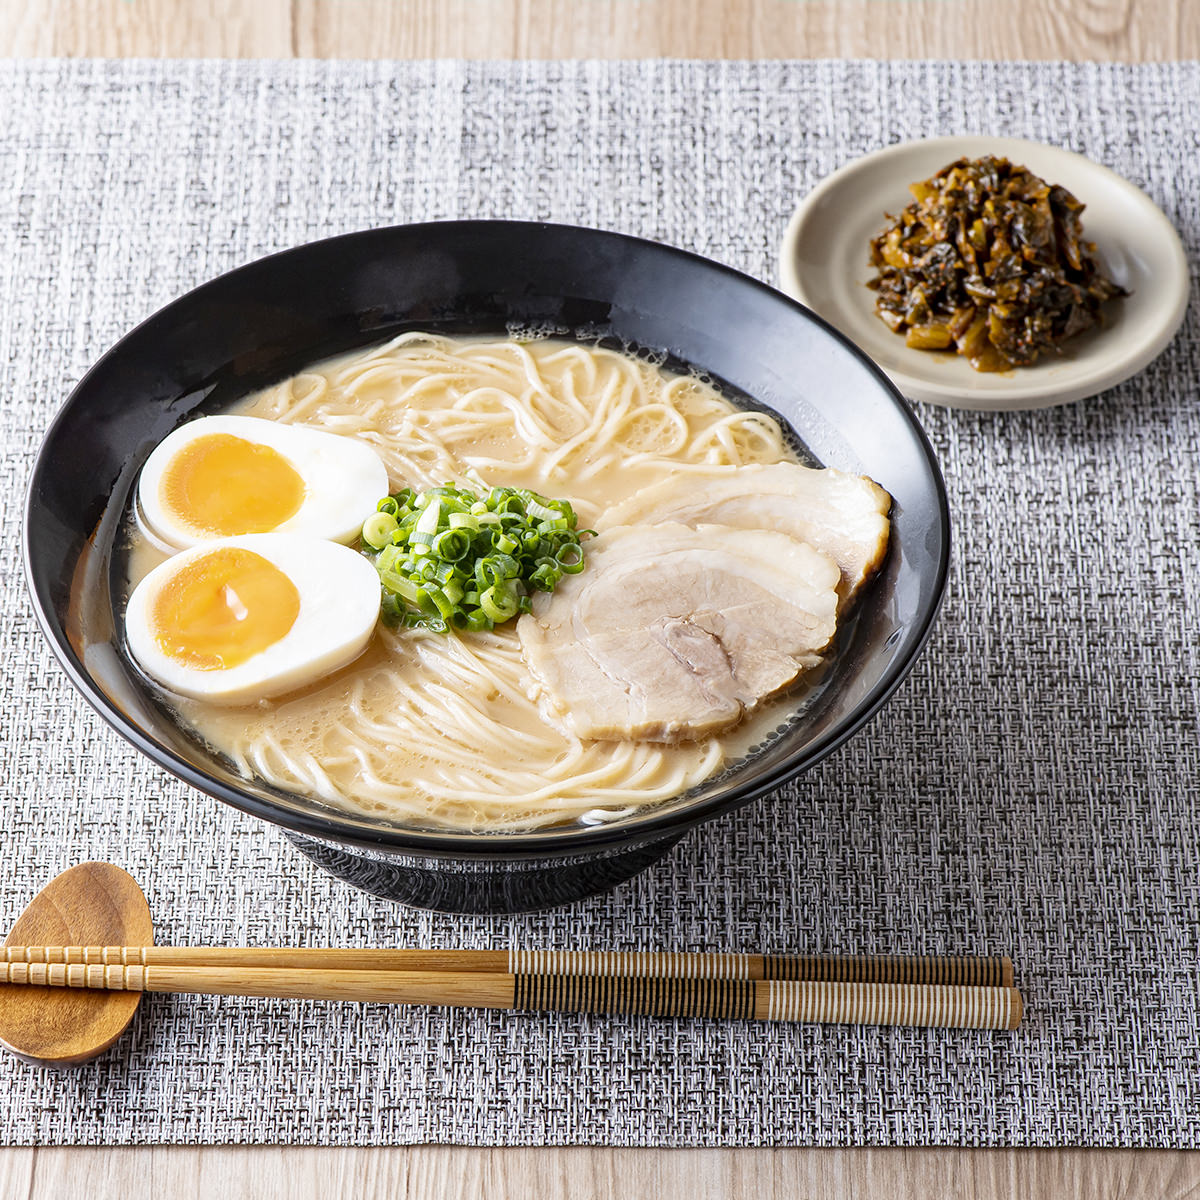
<point>447,732</point>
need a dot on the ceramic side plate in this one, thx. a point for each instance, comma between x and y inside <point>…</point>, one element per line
<point>824,264</point>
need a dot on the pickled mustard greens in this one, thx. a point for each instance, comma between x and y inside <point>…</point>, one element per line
<point>450,559</point>
<point>989,260</point>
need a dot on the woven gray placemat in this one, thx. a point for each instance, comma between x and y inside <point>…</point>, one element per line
<point>1031,788</point>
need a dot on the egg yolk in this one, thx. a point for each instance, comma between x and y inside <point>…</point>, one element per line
<point>223,608</point>
<point>222,485</point>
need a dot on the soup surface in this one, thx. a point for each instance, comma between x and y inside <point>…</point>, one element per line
<point>444,731</point>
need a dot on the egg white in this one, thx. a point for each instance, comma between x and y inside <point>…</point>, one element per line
<point>343,477</point>
<point>339,605</point>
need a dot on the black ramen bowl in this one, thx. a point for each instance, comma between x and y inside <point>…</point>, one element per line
<point>265,321</point>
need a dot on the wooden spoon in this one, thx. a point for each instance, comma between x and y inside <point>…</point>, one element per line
<point>94,903</point>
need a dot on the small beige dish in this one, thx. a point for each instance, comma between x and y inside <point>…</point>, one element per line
<point>824,264</point>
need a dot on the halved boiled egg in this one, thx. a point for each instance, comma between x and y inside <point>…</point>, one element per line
<point>219,477</point>
<point>240,619</point>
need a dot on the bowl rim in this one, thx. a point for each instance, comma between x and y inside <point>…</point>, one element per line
<point>657,822</point>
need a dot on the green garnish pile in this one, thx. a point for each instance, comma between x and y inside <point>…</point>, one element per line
<point>450,560</point>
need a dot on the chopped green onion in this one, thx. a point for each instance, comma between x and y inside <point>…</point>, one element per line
<point>431,514</point>
<point>545,577</point>
<point>498,605</point>
<point>453,544</point>
<point>449,559</point>
<point>442,602</point>
<point>570,558</point>
<point>404,588</point>
<point>542,512</point>
<point>474,620</point>
<point>377,530</point>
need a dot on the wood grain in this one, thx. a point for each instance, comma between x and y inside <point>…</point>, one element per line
<point>446,1173</point>
<point>90,902</point>
<point>1121,30</point>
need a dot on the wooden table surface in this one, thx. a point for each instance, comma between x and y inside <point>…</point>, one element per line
<point>1119,30</point>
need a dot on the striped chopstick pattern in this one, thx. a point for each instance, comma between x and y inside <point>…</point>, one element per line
<point>663,965</point>
<point>943,1005</point>
<point>113,977</point>
<point>962,971</point>
<point>648,995</point>
<point>990,971</point>
<point>86,955</point>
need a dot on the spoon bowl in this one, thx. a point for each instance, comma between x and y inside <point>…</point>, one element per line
<point>93,904</point>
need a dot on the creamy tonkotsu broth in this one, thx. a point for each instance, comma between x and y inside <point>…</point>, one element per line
<point>442,731</point>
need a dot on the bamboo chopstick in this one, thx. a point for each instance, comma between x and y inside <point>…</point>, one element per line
<point>893,991</point>
<point>961,971</point>
<point>949,1006</point>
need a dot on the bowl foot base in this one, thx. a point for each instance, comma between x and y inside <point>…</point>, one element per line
<point>472,886</point>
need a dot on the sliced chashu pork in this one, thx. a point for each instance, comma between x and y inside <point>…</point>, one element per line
<point>843,516</point>
<point>674,633</point>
